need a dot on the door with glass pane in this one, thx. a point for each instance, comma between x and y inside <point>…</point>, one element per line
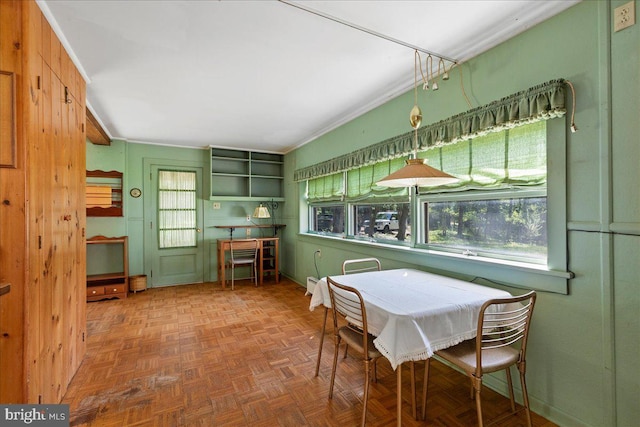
<point>175,227</point>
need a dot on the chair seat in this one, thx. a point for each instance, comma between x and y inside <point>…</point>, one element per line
<point>354,339</point>
<point>243,261</point>
<point>464,355</point>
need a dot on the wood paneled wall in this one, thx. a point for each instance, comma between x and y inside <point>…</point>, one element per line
<point>42,217</point>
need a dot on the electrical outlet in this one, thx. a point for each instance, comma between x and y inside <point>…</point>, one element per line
<point>319,252</point>
<point>248,217</point>
<point>216,205</point>
<point>248,232</point>
<point>624,16</point>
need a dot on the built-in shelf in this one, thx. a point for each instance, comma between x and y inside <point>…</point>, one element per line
<point>107,281</point>
<point>104,193</point>
<point>246,175</point>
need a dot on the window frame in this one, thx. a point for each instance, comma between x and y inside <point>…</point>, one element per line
<point>552,277</point>
<point>505,194</point>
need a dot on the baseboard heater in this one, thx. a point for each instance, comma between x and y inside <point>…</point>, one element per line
<point>311,284</point>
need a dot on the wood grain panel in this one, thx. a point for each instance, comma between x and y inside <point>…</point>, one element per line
<point>8,116</point>
<point>41,214</point>
<point>12,220</point>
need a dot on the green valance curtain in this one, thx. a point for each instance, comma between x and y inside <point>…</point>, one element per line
<point>540,102</point>
<point>361,182</point>
<point>327,188</point>
<point>511,158</point>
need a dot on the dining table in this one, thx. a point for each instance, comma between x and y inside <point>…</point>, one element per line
<point>412,313</point>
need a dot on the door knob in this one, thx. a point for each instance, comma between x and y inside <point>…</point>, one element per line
<point>199,230</point>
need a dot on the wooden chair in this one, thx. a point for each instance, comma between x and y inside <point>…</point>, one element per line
<point>501,341</point>
<point>349,266</point>
<point>244,253</point>
<point>347,303</point>
<point>361,265</point>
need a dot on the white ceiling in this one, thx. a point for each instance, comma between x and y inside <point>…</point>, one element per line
<point>263,75</point>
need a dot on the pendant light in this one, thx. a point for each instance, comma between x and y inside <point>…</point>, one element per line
<point>416,173</point>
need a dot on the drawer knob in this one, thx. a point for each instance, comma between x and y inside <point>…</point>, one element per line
<point>93,292</point>
<point>115,289</point>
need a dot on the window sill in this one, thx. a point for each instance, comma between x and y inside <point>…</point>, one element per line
<point>505,272</point>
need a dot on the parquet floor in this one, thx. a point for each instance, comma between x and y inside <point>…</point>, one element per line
<point>197,355</point>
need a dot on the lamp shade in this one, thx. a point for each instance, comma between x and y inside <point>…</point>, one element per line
<point>261,212</point>
<point>417,174</point>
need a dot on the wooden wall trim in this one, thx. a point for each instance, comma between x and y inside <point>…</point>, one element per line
<point>95,132</point>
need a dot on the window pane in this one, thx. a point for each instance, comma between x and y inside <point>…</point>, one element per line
<point>390,222</point>
<point>176,209</point>
<point>513,227</point>
<point>327,219</point>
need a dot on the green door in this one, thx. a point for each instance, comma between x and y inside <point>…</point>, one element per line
<point>173,227</point>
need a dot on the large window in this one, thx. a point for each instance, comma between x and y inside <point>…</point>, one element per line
<point>498,207</point>
<point>508,227</point>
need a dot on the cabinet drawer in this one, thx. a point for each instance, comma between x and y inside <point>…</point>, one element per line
<point>115,289</point>
<point>95,291</point>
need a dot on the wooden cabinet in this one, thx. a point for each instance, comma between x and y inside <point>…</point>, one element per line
<point>246,175</point>
<point>107,267</point>
<point>42,216</point>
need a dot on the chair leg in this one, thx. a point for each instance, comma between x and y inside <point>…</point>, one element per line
<point>399,395</point>
<point>367,380</point>
<point>255,274</point>
<point>525,394</point>
<point>412,371</point>
<point>346,348</point>
<point>425,385</point>
<point>375,370</point>
<point>510,384</point>
<point>324,327</point>
<point>233,271</point>
<point>477,386</point>
<point>335,363</point>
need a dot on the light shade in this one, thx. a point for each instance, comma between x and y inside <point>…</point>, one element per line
<point>417,174</point>
<point>261,212</point>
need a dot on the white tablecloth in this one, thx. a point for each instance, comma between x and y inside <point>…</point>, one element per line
<point>413,313</point>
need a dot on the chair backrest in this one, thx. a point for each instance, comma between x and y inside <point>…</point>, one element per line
<point>347,303</point>
<point>504,322</point>
<point>243,249</point>
<point>360,265</point>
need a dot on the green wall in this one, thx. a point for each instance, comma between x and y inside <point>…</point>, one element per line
<point>130,158</point>
<point>584,346</point>
<point>582,367</point>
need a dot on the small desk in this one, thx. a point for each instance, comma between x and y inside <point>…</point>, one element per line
<point>413,313</point>
<point>268,257</point>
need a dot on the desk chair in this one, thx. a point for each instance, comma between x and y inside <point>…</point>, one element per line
<point>346,302</point>
<point>349,266</point>
<point>502,323</point>
<point>244,253</point>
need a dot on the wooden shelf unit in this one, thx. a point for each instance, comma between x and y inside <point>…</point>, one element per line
<point>109,284</point>
<point>246,175</point>
<point>104,193</point>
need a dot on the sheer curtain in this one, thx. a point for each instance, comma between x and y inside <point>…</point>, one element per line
<point>176,209</point>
